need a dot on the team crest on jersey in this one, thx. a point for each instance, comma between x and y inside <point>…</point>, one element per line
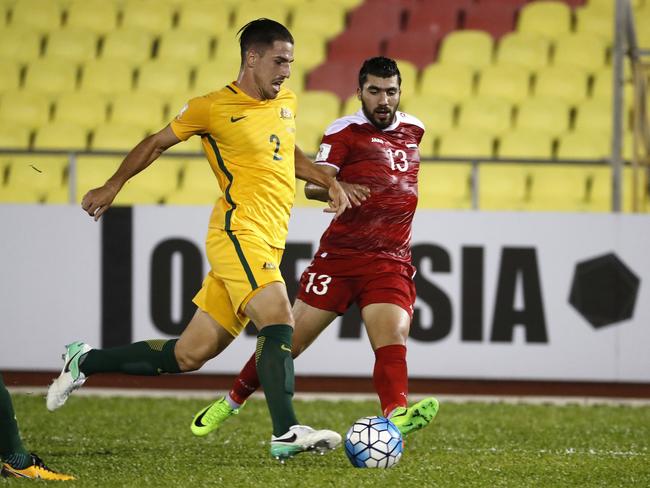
<point>182,111</point>
<point>285,113</point>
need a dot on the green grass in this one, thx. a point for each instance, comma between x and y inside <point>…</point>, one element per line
<point>147,442</point>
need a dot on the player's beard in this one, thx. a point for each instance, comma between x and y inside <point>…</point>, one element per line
<point>380,124</point>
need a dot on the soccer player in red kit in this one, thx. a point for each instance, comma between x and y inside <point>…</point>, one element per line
<point>365,255</point>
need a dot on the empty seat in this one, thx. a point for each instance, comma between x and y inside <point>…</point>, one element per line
<point>437,114</point>
<point>255,9</point>
<point>584,145</point>
<point>530,51</point>
<point>19,44</point>
<point>321,106</point>
<point>211,77</point>
<point>144,110</point>
<point>595,21</point>
<point>61,135</point>
<point>603,87</point>
<point>496,18</point>
<point>25,108</point>
<point>183,47</point>
<point>418,47</point>
<point>427,147</point>
<point>583,50</point>
<point>71,45</point>
<point>40,15</point>
<point>116,137</point>
<point>454,82</point>
<point>309,132</point>
<point>466,143</point>
<point>526,143</point>
<point>444,185</point>
<point>50,76</point>
<point>545,115</point>
<point>131,47</point>
<point>147,16</point>
<point>352,105</point>
<point>163,78</point>
<point>353,47</point>
<point>443,17</point>
<point>322,20</point>
<point>504,186</point>
<point>35,181</point>
<point>309,51</point>
<point>508,82</point>
<point>468,48</point>
<point>106,77</point>
<point>594,115</point>
<point>376,17</point>
<point>338,78</point>
<point>228,52</point>
<point>97,16</point>
<point>548,18</point>
<point>204,17</point>
<point>565,83</point>
<point>84,109</point>
<point>487,114</point>
<point>13,136</point>
<point>559,187</point>
<point>10,79</point>
<point>199,185</point>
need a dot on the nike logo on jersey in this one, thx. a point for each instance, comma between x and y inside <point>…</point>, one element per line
<point>237,119</point>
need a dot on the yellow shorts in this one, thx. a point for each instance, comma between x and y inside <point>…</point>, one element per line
<point>241,264</point>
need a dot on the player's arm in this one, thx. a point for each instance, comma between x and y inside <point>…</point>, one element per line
<point>98,200</point>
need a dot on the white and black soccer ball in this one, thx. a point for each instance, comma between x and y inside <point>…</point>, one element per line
<point>373,442</point>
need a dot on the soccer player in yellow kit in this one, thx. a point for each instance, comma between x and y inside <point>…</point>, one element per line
<point>248,134</point>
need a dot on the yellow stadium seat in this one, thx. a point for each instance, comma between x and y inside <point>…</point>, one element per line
<point>507,82</point>
<point>458,143</point>
<point>192,145</point>
<point>560,187</point>
<point>227,53</point>
<point>504,186</point>
<point>25,108</point>
<point>594,114</point>
<point>437,114</point>
<point>548,18</point>
<point>41,15</point>
<point>526,143</point>
<point>296,82</point>
<point>584,145</point>
<point>309,132</point>
<point>35,179</point>
<point>487,114</point>
<point>105,77</point>
<point>351,105</point>
<point>199,185</point>
<point>254,9</point>
<point>583,50</point>
<point>601,190</point>
<point>409,74</point>
<point>444,185</point>
<point>595,21</point>
<point>51,77</point>
<point>19,44</point>
<point>128,46</point>
<point>453,82</point>
<point>144,110</point>
<point>10,79</point>
<point>116,137</point>
<point>319,19</point>
<point>71,46</point>
<point>471,48</point>
<point>184,47</point>
<point>319,105</point>
<point>98,16</point>
<point>545,115</point>
<point>529,50</point>
<point>61,135</point>
<point>147,16</point>
<point>310,50</point>
<point>163,78</point>
<point>13,136</point>
<point>204,16</point>
<point>85,109</point>
<point>565,83</point>
<point>211,77</point>
<point>427,147</point>
<point>93,171</point>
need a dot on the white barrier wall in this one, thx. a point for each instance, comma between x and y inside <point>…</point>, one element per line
<point>500,295</point>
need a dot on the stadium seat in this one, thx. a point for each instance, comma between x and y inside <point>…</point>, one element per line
<point>128,46</point>
<point>51,77</point>
<point>565,83</point>
<point>192,145</point>
<point>26,109</point>
<point>454,82</point>
<point>530,51</point>
<point>309,133</point>
<point>18,44</point>
<point>548,18</point>
<point>602,87</point>
<point>525,143</point>
<point>98,16</point>
<point>594,114</point>
<point>13,136</point>
<point>10,79</point>
<point>466,142</point>
<point>297,80</point>
<point>600,187</point>
<point>437,114</point>
<point>227,53</point>
<point>409,75</point>
<point>352,105</point>
<point>428,144</point>
<point>487,114</point>
<point>383,18</point>
<point>40,15</point>
<point>468,48</point>
<point>444,186</point>
<point>211,77</point>
<point>85,109</point>
<point>163,78</point>
<point>560,187</point>
<point>504,186</point>
<point>508,82</point>
<point>546,115</point>
<point>493,17</point>
<point>106,77</point>
<point>584,145</point>
<point>35,180</point>
<point>595,21</point>
<point>418,47</point>
<point>207,17</point>
<point>338,78</point>
<point>310,50</point>
<point>71,46</point>
<point>353,47</point>
<point>147,16</point>
<point>61,135</point>
<point>318,105</point>
<point>318,19</point>
<point>254,9</point>
<point>184,47</point>
<point>583,50</point>
<point>443,17</point>
<point>143,110</point>
<point>116,137</point>
<point>199,185</point>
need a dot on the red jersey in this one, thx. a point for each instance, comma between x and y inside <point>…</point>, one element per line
<point>386,161</point>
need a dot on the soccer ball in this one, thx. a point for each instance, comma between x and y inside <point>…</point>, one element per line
<point>373,442</point>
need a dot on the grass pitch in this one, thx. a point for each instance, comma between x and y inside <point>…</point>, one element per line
<point>108,442</point>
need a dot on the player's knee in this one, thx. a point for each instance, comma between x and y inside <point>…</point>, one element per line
<point>189,360</point>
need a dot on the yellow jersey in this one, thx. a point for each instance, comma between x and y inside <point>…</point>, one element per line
<point>250,146</point>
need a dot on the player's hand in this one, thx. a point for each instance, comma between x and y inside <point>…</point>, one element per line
<point>338,201</point>
<point>357,194</point>
<point>98,200</point>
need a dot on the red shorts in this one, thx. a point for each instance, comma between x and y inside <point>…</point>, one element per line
<point>334,283</point>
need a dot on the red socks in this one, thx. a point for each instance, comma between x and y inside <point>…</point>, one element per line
<point>246,383</point>
<point>390,377</point>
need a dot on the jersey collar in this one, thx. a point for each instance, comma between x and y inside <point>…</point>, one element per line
<point>392,126</point>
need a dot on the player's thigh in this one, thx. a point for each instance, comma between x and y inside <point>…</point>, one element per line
<point>310,322</point>
<point>386,324</point>
<point>270,305</point>
<point>203,339</point>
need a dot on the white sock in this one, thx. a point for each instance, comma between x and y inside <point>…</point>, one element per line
<point>233,404</point>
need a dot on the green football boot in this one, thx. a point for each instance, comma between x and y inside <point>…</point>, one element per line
<point>414,418</point>
<point>212,416</point>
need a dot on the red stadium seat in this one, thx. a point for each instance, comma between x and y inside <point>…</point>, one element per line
<point>446,16</point>
<point>340,78</point>
<point>514,3</point>
<point>419,47</point>
<point>497,19</point>
<point>355,46</point>
<point>383,18</point>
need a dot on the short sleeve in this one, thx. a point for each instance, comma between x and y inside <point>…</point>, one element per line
<point>193,118</point>
<point>333,150</point>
